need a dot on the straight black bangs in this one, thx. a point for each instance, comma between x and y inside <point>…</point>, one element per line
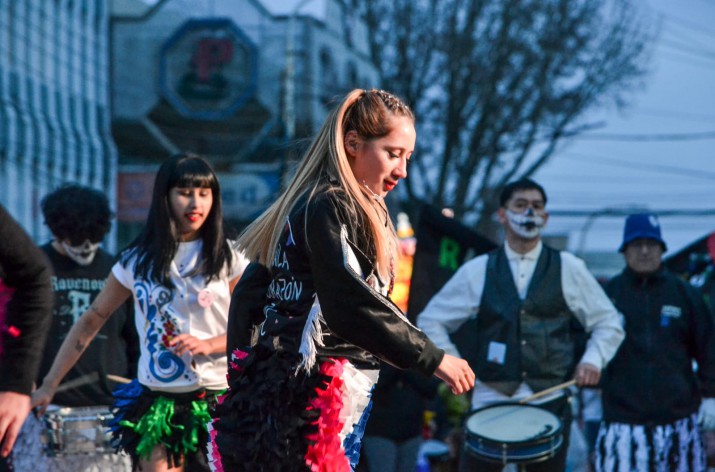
<point>193,173</point>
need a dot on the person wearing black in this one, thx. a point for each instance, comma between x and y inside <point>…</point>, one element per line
<point>393,435</point>
<point>25,270</point>
<point>654,402</point>
<point>318,314</point>
<point>79,217</point>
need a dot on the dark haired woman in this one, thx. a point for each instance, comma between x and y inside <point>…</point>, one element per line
<point>180,271</point>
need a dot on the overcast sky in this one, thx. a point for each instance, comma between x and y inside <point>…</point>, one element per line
<point>678,99</point>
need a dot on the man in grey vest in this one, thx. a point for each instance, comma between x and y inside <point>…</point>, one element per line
<point>528,306</point>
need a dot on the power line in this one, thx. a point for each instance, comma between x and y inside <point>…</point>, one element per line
<point>630,192</point>
<point>670,170</point>
<point>619,212</point>
<point>689,37</point>
<point>687,23</point>
<point>622,198</point>
<point>699,117</point>
<point>686,60</point>
<point>696,53</point>
<point>646,137</point>
<point>686,37</point>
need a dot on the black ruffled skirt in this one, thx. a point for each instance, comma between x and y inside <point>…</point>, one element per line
<point>279,418</point>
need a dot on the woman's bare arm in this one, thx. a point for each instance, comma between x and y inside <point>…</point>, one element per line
<point>82,333</point>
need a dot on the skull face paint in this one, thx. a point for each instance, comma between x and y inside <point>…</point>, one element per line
<point>82,254</point>
<point>526,224</point>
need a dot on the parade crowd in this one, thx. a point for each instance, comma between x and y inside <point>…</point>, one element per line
<point>282,350</point>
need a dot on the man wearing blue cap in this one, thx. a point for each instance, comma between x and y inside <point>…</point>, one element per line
<point>653,400</point>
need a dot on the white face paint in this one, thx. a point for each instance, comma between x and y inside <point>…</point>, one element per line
<point>527,224</point>
<point>83,254</point>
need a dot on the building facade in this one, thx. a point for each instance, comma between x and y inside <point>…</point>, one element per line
<point>242,82</point>
<point>54,104</point>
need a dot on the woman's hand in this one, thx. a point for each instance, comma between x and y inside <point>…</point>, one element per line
<point>184,343</point>
<point>456,373</point>
<point>42,397</point>
<point>79,337</point>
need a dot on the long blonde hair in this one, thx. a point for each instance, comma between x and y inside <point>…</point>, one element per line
<point>367,112</point>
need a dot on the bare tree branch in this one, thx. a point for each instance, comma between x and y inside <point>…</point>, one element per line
<point>498,85</point>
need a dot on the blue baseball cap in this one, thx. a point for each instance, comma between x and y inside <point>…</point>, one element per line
<point>642,226</point>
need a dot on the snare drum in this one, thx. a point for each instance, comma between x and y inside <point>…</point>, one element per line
<point>77,430</point>
<point>513,433</point>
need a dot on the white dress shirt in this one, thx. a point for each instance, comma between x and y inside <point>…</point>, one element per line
<point>461,296</point>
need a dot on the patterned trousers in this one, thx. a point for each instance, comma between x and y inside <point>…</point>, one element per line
<point>674,447</point>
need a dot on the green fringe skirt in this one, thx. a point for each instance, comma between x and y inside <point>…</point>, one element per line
<point>145,419</point>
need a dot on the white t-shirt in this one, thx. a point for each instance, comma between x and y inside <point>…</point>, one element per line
<point>195,307</point>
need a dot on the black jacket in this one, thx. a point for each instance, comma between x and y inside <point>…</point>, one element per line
<point>651,379</point>
<point>360,324</point>
<point>24,268</point>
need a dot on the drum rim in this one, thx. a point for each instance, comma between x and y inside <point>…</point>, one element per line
<point>538,440</point>
<point>530,459</point>
<point>64,411</point>
<point>61,421</point>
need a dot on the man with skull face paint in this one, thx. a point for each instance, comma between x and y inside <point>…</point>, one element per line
<point>79,217</point>
<point>532,304</point>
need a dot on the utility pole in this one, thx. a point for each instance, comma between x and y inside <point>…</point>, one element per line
<point>289,85</point>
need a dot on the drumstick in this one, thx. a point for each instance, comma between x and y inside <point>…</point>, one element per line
<point>543,393</point>
<point>78,382</point>
<point>118,379</point>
